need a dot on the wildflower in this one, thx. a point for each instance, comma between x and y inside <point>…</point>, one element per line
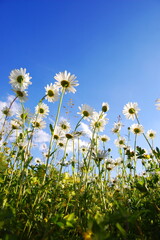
<point>117,127</point>
<point>37,160</point>
<point>66,81</point>
<point>98,121</point>
<point>137,129</point>
<point>51,93</point>
<point>83,149</point>
<point>105,107</point>
<point>21,94</point>
<point>19,79</point>
<point>7,111</point>
<point>120,142</point>
<point>15,124</point>
<point>130,110</point>
<point>104,138</point>
<point>58,133</point>
<point>64,125</point>
<point>42,110</point>
<point>100,155</point>
<point>85,110</point>
<point>109,167</point>
<point>38,123</point>
<point>151,134</point>
<point>23,114</point>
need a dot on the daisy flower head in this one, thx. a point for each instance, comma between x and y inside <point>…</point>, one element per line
<point>117,127</point>
<point>38,123</point>
<point>137,129</point>
<point>98,121</point>
<point>85,111</point>
<point>158,104</point>
<point>64,125</point>
<point>52,93</point>
<point>15,124</point>
<point>130,110</point>
<point>151,134</point>
<point>7,111</point>
<point>105,107</point>
<point>38,160</point>
<point>20,79</point>
<point>58,133</point>
<point>104,138</point>
<point>21,94</point>
<point>42,109</point>
<point>66,81</point>
<point>120,142</point>
<point>23,114</point>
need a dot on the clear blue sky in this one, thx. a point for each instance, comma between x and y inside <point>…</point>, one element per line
<point>112,46</point>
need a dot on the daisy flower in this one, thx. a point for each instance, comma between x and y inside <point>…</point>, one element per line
<point>100,155</point>
<point>117,127</point>
<point>98,121</point>
<point>15,123</point>
<point>120,142</point>
<point>7,111</point>
<point>83,148</point>
<point>151,134</point>
<point>51,93</point>
<point>104,138</point>
<point>105,107</point>
<point>42,109</point>
<point>137,129</point>
<point>64,125</point>
<point>66,81</point>
<point>38,123</point>
<point>38,160</point>
<point>23,115</point>
<point>130,110</point>
<point>21,94</point>
<point>58,133</point>
<point>85,111</point>
<point>19,78</point>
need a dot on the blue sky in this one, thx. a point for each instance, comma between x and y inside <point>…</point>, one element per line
<point>112,46</point>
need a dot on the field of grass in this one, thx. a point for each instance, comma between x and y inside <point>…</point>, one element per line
<point>70,193</point>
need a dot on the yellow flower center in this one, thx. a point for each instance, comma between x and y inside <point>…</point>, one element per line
<point>20,79</point>
<point>65,83</point>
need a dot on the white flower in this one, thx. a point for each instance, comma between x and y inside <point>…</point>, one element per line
<point>105,107</point>
<point>19,78</point>
<point>42,109</point>
<point>130,110</point>
<point>38,123</point>
<point>38,160</point>
<point>85,110</point>
<point>98,121</point>
<point>23,114</point>
<point>64,125</point>
<point>66,81</point>
<point>83,148</point>
<point>137,129</point>
<point>117,127</point>
<point>58,133</point>
<point>21,94</point>
<point>104,138</point>
<point>7,111</point>
<point>158,104</point>
<point>51,93</point>
<point>120,142</point>
<point>15,123</point>
<point>151,134</point>
<point>100,155</point>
